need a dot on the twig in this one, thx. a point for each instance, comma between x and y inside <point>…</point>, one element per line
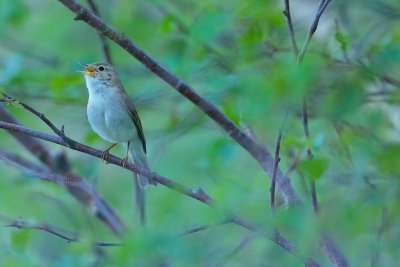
<point>83,192</point>
<point>322,6</point>
<point>289,23</point>
<point>241,245</point>
<point>40,116</point>
<point>103,43</point>
<point>276,162</point>
<point>61,233</point>
<point>257,150</point>
<point>205,227</point>
<point>313,193</point>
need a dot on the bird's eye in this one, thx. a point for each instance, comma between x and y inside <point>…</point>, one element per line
<point>101,68</point>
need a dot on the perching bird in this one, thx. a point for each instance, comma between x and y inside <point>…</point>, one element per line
<point>113,116</point>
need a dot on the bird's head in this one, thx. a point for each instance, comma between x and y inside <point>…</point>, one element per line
<point>100,73</point>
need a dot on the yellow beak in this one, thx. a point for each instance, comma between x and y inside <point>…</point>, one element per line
<point>89,70</point>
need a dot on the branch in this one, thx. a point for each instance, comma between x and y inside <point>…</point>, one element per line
<point>83,192</point>
<point>327,243</point>
<point>196,193</point>
<point>104,47</point>
<point>240,246</point>
<point>313,192</point>
<point>276,162</point>
<point>332,251</point>
<point>61,233</point>
<point>258,151</point>
<point>322,6</point>
<point>289,23</point>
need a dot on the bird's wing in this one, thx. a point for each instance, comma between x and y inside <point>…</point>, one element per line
<point>130,107</point>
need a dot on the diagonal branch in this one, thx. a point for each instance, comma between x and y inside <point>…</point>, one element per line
<point>83,192</point>
<point>289,23</point>
<point>257,150</point>
<point>103,42</point>
<point>322,6</point>
<point>57,231</point>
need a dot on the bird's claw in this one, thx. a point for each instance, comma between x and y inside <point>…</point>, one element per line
<point>104,154</point>
<point>124,161</point>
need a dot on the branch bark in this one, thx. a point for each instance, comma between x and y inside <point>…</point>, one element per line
<point>67,235</point>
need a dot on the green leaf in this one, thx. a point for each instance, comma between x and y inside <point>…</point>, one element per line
<point>314,168</point>
<point>13,12</point>
<point>19,239</point>
<point>388,159</point>
<point>340,38</point>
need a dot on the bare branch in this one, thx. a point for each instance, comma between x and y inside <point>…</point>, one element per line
<point>240,246</point>
<point>205,227</point>
<point>194,193</point>
<point>322,6</point>
<point>83,191</point>
<point>332,251</point>
<point>103,42</point>
<point>289,23</point>
<point>313,192</point>
<point>67,235</point>
<point>257,150</point>
<point>276,162</point>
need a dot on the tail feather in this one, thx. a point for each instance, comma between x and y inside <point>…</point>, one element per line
<point>138,156</point>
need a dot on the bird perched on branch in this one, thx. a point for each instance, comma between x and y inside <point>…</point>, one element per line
<point>112,114</point>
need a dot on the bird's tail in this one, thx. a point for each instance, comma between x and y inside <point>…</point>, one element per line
<point>138,156</point>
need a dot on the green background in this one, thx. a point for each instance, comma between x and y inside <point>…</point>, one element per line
<point>238,55</point>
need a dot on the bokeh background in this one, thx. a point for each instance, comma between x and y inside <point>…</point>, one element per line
<point>238,55</point>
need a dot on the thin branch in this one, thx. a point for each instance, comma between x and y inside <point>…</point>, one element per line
<point>276,162</point>
<point>289,23</point>
<point>196,193</point>
<point>40,116</point>
<point>327,243</point>
<point>322,6</point>
<point>103,42</point>
<point>83,192</point>
<point>240,246</point>
<point>205,227</point>
<point>332,251</point>
<point>257,150</point>
<point>67,235</point>
<point>313,193</point>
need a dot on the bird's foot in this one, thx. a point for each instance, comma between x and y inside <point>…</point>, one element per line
<point>105,153</point>
<point>124,161</point>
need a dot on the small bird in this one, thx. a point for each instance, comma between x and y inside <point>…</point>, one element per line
<point>112,114</point>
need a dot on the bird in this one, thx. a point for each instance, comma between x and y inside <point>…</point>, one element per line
<point>113,116</point>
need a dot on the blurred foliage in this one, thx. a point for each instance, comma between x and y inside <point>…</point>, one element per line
<point>237,54</point>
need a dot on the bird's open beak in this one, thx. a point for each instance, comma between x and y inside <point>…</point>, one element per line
<point>89,70</point>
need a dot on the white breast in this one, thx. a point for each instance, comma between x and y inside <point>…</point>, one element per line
<point>107,114</point>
